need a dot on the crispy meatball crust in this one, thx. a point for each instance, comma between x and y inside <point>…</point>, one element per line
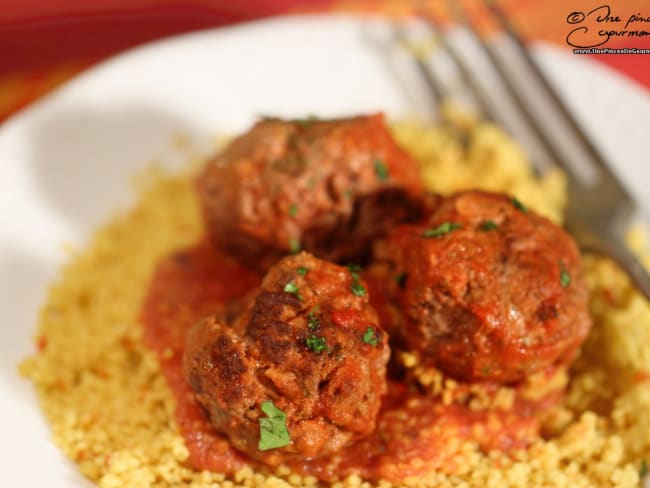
<point>327,187</point>
<point>490,290</point>
<point>308,350</point>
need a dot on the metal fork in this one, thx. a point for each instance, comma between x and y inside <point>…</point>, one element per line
<point>600,209</point>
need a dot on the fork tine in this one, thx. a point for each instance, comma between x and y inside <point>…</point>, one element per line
<point>553,95</point>
<point>435,86</point>
<point>513,91</point>
<point>486,108</point>
<point>597,212</point>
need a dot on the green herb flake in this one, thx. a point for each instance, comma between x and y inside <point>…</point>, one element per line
<point>400,279</point>
<point>441,230</point>
<point>486,370</point>
<point>643,469</point>
<point>565,277</point>
<point>358,289</point>
<point>354,270</point>
<point>294,245</point>
<point>312,321</point>
<point>487,226</point>
<point>302,271</point>
<point>316,343</point>
<point>293,210</point>
<point>518,205</point>
<point>369,337</point>
<point>292,288</point>
<point>273,428</point>
<point>381,170</point>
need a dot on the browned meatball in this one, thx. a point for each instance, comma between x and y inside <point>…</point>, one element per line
<point>490,290</point>
<point>309,343</point>
<point>327,187</point>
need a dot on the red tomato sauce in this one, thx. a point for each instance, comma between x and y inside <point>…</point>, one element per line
<point>188,285</point>
<point>415,433</point>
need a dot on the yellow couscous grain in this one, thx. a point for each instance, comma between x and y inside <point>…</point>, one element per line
<point>111,410</point>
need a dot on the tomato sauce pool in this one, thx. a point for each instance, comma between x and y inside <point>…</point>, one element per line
<point>415,432</point>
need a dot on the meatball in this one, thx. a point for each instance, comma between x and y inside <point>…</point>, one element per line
<point>309,347</point>
<point>489,289</point>
<point>327,187</point>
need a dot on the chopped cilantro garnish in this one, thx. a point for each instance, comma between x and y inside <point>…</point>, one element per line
<point>292,288</point>
<point>518,205</point>
<point>565,277</point>
<point>643,469</point>
<point>369,337</point>
<point>441,230</point>
<point>302,271</point>
<point>316,343</point>
<point>401,280</point>
<point>358,289</point>
<point>354,270</point>
<point>381,170</point>
<point>294,245</point>
<point>312,321</point>
<point>293,210</point>
<point>273,429</point>
<point>487,226</point>
<point>486,370</point>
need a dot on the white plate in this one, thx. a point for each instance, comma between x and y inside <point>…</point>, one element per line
<point>66,160</point>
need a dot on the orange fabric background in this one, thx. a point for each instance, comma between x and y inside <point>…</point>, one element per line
<point>44,43</point>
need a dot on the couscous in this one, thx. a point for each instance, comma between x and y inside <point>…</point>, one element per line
<point>112,411</point>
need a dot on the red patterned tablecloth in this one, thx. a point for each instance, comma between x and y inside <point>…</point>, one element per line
<point>45,42</point>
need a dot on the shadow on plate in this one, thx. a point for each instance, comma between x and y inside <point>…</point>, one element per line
<point>80,163</point>
<point>82,159</point>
